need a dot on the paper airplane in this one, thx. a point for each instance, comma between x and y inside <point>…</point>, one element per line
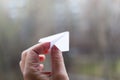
<point>60,40</point>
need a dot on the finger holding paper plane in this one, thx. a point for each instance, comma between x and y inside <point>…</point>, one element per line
<point>60,40</point>
<point>32,59</point>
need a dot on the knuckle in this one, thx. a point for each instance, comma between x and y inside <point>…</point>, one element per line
<point>24,53</point>
<point>20,63</point>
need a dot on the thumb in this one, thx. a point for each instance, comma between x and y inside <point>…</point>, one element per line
<point>58,66</point>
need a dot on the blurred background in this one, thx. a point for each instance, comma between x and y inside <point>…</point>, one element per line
<point>94,27</point>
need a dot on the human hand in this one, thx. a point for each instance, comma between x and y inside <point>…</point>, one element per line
<point>33,70</point>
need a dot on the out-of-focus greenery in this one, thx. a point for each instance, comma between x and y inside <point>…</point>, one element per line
<point>94,35</point>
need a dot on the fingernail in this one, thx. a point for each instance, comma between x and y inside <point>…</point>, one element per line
<point>42,58</point>
<point>46,51</point>
<point>41,67</point>
<point>54,49</point>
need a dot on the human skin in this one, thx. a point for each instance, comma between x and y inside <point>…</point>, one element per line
<point>32,69</point>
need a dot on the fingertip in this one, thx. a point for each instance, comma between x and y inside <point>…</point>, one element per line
<point>42,57</point>
<point>41,48</point>
<point>46,51</point>
<point>41,66</point>
<point>54,49</point>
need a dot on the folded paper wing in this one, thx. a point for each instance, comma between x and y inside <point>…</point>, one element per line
<point>61,40</point>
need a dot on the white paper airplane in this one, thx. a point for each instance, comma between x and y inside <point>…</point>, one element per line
<point>61,40</point>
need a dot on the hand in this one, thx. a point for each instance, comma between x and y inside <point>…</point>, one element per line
<point>33,70</point>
